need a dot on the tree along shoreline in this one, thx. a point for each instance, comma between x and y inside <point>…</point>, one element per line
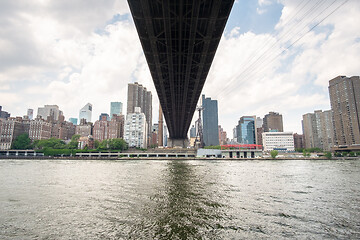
<point>55,146</point>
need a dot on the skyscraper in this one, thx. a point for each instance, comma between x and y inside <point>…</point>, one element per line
<point>345,104</point>
<point>115,108</point>
<point>192,132</point>
<point>49,111</point>
<point>161,128</point>
<point>245,130</point>
<point>210,121</point>
<point>85,112</point>
<point>138,96</point>
<point>104,116</point>
<point>318,130</point>
<point>273,122</point>
<point>73,120</point>
<point>4,114</point>
<point>30,114</point>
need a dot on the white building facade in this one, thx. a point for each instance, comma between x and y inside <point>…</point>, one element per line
<point>136,129</point>
<point>280,141</point>
<point>49,111</point>
<point>85,112</point>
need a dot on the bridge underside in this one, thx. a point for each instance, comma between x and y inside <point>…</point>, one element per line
<point>179,39</point>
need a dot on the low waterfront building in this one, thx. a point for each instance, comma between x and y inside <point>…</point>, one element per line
<point>215,153</point>
<point>87,142</point>
<point>280,141</point>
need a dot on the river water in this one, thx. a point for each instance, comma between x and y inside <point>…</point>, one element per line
<point>78,199</point>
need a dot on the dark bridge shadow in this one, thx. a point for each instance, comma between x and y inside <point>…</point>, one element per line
<point>185,208</point>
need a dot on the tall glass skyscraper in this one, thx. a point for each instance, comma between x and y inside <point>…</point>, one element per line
<point>85,112</point>
<point>246,130</point>
<point>73,120</point>
<point>115,108</point>
<point>210,121</point>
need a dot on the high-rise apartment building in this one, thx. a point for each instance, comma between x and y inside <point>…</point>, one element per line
<point>136,129</point>
<point>115,108</point>
<point>154,135</point>
<point>299,141</point>
<point>161,128</point>
<point>222,136</point>
<point>10,130</point>
<point>345,104</point>
<point>85,112</point>
<point>116,126</point>
<point>318,130</point>
<point>39,129</point>
<point>84,129</point>
<point>3,114</point>
<point>210,121</point>
<point>192,132</point>
<point>101,129</point>
<point>138,96</point>
<point>49,112</point>
<point>234,134</point>
<point>62,129</point>
<point>245,130</point>
<point>273,122</point>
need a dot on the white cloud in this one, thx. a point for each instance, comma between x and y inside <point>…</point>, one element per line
<point>260,10</point>
<point>264,2</point>
<point>65,60</point>
<point>293,84</point>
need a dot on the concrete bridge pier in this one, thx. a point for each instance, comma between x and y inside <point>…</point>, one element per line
<point>178,143</point>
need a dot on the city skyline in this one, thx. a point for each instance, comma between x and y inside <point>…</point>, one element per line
<point>69,60</point>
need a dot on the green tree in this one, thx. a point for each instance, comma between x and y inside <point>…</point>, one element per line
<point>212,147</point>
<point>299,150</point>
<point>73,144</point>
<point>328,155</point>
<point>96,144</point>
<point>103,145</point>
<point>274,153</point>
<point>117,144</point>
<point>306,153</point>
<point>22,142</point>
<point>338,154</point>
<point>53,143</point>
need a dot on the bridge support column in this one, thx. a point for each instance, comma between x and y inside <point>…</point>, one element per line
<point>178,143</point>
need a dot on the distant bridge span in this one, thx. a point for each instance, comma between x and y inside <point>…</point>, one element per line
<point>179,39</point>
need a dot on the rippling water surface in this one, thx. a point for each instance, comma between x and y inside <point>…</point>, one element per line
<point>69,199</point>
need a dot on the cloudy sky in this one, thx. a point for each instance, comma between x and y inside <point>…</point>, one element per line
<point>275,55</point>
